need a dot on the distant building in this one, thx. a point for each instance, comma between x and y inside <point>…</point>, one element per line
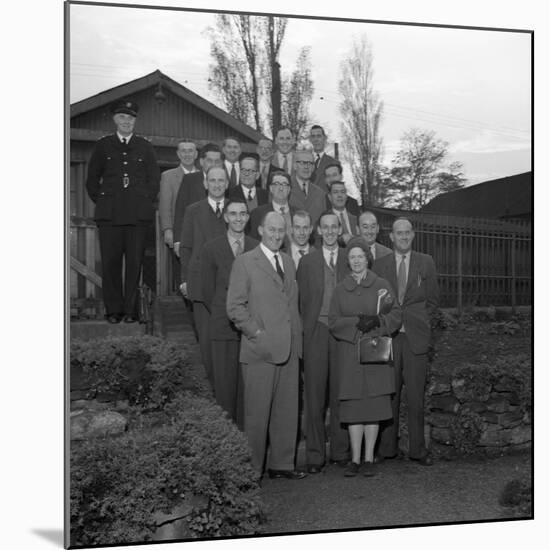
<point>503,198</point>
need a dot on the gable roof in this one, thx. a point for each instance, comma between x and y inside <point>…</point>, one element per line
<point>154,79</point>
<point>507,197</point>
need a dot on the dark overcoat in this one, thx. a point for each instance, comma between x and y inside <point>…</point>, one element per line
<point>348,302</point>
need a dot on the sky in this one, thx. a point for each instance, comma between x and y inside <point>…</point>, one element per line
<point>471,87</point>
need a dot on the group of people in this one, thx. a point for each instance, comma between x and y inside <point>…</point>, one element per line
<point>283,275</point>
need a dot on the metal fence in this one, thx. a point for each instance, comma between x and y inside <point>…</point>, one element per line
<point>480,262</point>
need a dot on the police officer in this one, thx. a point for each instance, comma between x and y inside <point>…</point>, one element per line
<point>123,182</point>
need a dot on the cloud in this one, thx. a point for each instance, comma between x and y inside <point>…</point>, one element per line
<point>487,141</point>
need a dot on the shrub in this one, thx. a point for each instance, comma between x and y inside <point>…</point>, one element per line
<point>196,458</point>
<point>518,495</point>
<point>146,370</point>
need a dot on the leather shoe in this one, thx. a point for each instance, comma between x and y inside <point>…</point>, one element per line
<point>369,469</point>
<point>312,469</point>
<point>286,474</point>
<point>425,460</point>
<point>129,319</point>
<point>352,469</point>
<point>342,463</point>
<point>113,318</point>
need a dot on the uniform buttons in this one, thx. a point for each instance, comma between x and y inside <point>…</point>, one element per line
<point>125,162</point>
<point>125,175</point>
<point>124,154</point>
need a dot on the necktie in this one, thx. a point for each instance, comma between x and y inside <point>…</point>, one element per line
<point>317,161</point>
<point>304,188</point>
<point>283,210</point>
<point>401,280</point>
<point>345,228</point>
<point>264,176</point>
<point>301,251</point>
<point>123,141</point>
<point>285,163</point>
<point>233,176</point>
<point>238,247</point>
<point>331,262</point>
<point>218,210</point>
<point>250,197</point>
<point>373,251</point>
<point>278,268</point>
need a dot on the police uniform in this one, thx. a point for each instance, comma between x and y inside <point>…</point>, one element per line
<point>123,181</point>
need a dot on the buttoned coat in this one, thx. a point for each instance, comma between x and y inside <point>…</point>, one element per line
<point>380,251</point>
<point>110,163</point>
<point>257,299</point>
<point>421,296</point>
<point>191,190</point>
<point>349,300</point>
<point>318,177</point>
<point>200,224</point>
<point>217,260</point>
<point>238,193</point>
<point>290,159</point>
<point>170,181</point>
<point>314,203</point>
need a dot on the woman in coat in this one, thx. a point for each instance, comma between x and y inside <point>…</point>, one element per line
<point>362,303</point>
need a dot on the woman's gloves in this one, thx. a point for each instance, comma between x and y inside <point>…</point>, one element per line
<point>368,322</point>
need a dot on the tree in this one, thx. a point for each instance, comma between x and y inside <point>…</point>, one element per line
<point>418,171</point>
<point>245,72</point>
<point>361,111</point>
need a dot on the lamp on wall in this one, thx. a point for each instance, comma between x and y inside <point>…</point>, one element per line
<point>160,97</point>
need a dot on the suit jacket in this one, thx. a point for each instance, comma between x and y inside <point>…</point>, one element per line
<point>314,203</point>
<point>121,201</point>
<point>258,299</point>
<point>200,225</point>
<point>256,217</point>
<point>191,190</point>
<point>170,181</point>
<point>228,174</point>
<point>237,192</point>
<point>421,296</point>
<point>216,262</point>
<point>380,251</point>
<point>311,284</point>
<point>318,177</point>
<point>259,182</point>
<point>351,206</point>
<point>290,157</point>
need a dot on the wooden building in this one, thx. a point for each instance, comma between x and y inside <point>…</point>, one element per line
<point>168,112</point>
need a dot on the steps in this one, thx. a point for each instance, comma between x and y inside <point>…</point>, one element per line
<point>172,319</point>
<point>92,329</point>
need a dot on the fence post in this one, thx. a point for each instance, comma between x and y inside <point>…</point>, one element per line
<point>513,261</point>
<point>459,293</point>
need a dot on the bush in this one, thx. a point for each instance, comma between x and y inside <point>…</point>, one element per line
<point>518,495</point>
<point>196,460</point>
<point>146,370</point>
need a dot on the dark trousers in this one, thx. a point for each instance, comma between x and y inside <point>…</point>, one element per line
<point>228,379</point>
<point>410,369</point>
<point>201,319</point>
<point>320,375</point>
<point>117,242</point>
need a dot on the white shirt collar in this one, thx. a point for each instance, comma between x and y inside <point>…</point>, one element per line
<point>277,207</point>
<point>399,255</point>
<point>246,191</point>
<point>185,171</point>
<point>213,203</point>
<point>327,252</point>
<point>270,255</point>
<point>127,138</point>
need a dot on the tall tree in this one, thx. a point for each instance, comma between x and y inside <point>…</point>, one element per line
<point>361,110</point>
<point>419,172</point>
<point>245,72</point>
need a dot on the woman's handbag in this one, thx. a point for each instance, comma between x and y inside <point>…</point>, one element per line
<point>374,349</point>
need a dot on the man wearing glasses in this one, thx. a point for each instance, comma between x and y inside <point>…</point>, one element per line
<point>247,190</point>
<point>305,195</point>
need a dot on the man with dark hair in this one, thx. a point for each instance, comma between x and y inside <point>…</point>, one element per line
<point>300,234</point>
<point>318,140</point>
<point>247,190</point>
<point>202,222</point>
<point>279,187</point>
<point>368,229</point>
<point>318,274</point>
<point>262,301</point>
<point>217,260</point>
<point>348,222</point>
<point>193,187</point>
<point>231,150</point>
<point>123,182</point>
<point>265,154</point>
<point>334,172</point>
<point>170,182</point>
<point>284,155</point>
<point>413,279</point>
<point>304,195</point>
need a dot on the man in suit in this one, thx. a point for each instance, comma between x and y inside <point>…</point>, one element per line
<point>284,155</point>
<point>265,154</point>
<point>231,150</point>
<point>202,222</point>
<point>279,188</point>
<point>247,190</point>
<point>193,188</point>
<point>217,260</point>
<point>368,229</point>
<point>170,181</point>
<point>348,222</point>
<point>262,301</point>
<point>303,194</point>
<point>318,274</point>
<point>318,140</point>
<point>333,172</point>
<point>413,279</point>
<point>123,182</point>
<point>300,234</point>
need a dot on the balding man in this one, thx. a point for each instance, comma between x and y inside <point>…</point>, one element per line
<point>368,229</point>
<point>262,302</point>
